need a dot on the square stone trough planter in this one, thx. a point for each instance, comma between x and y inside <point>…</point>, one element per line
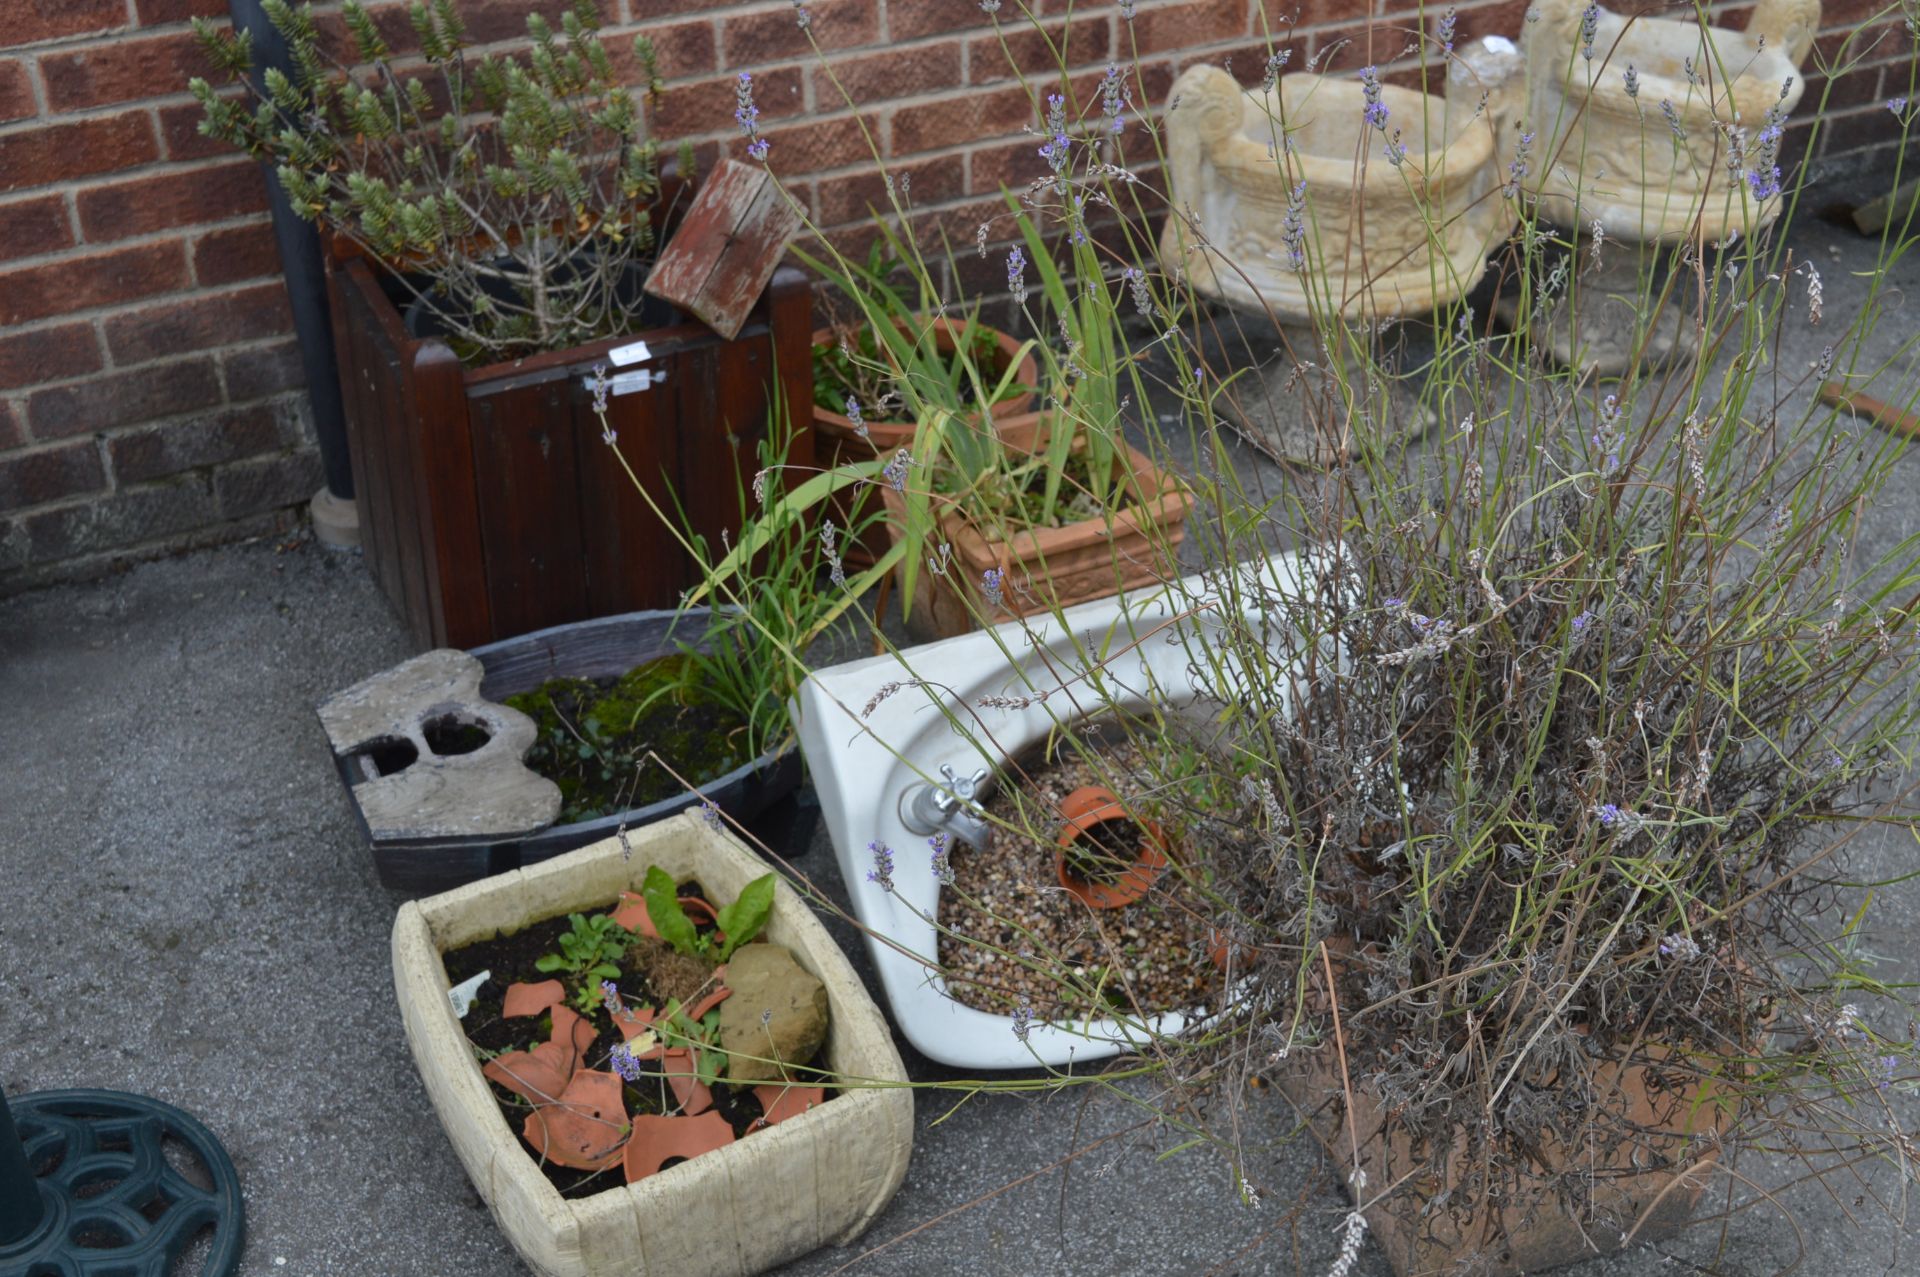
<point>815,1179</point>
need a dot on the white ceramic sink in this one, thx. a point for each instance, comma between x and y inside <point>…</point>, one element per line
<point>861,766</point>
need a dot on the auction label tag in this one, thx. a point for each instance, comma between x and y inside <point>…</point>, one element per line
<point>640,379</point>
<point>632,353</point>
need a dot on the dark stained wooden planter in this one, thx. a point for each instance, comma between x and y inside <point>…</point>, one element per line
<point>760,794</point>
<point>489,505</point>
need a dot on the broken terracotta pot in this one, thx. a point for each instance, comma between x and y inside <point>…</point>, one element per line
<point>532,999</point>
<point>683,1077</point>
<point>1084,811</point>
<point>540,1075</point>
<point>657,1140</point>
<point>586,1128</point>
<point>778,1103</point>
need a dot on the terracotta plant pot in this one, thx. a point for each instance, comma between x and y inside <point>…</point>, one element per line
<point>1644,1189</point>
<point>837,442</point>
<point>1076,563</point>
<point>764,1196</point>
<point>1085,810</point>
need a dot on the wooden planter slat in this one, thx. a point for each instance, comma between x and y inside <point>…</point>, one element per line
<point>490,505</point>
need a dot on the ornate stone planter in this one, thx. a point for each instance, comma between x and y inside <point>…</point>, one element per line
<point>816,1178</point>
<point>1330,229</point>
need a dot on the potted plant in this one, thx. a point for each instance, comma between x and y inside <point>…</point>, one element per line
<point>761,1188</point>
<point>998,525</point>
<point>860,368</point>
<point>490,222</point>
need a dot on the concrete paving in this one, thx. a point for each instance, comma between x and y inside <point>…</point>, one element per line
<point>187,910</point>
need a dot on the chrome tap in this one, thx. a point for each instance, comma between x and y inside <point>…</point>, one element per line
<point>928,808</point>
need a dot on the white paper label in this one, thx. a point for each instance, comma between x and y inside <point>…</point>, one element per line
<point>463,994</point>
<point>628,382</point>
<point>632,353</point>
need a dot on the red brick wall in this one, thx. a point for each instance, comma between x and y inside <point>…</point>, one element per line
<point>149,386</point>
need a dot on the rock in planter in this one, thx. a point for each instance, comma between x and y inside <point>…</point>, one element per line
<point>777,1014</point>
<point>818,1177</point>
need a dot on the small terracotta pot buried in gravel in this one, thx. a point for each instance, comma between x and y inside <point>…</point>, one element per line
<point>1150,955</point>
<point>1104,856</point>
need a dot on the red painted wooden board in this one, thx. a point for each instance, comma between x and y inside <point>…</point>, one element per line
<point>727,247</point>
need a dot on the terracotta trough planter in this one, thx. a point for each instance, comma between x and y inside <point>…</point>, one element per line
<point>1077,563</point>
<point>818,1176</point>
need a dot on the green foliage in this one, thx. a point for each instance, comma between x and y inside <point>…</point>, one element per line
<point>738,922</point>
<point>589,953</point>
<point>519,186</point>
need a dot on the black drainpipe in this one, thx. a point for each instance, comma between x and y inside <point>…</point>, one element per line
<point>300,260</point>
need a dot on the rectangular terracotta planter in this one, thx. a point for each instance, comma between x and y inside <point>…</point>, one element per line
<point>817,1178</point>
<point>1047,567</point>
<point>1643,1200</point>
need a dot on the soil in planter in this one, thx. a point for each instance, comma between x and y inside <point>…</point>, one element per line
<point>651,973</point>
<point>1154,953</point>
<point>595,735</point>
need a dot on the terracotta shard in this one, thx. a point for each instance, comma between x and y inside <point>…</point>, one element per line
<point>713,999</point>
<point>540,1075</point>
<point>683,1076</point>
<point>779,1103</point>
<point>656,1139</point>
<point>632,914</point>
<point>586,1129</point>
<point>638,1025</point>
<point>532,999</point>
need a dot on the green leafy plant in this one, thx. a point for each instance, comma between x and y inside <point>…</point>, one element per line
<point>735,924</point>
<point>516,187</point>
<point>589,953</point>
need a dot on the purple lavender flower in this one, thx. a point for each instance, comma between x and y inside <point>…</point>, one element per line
<point>1898,106</point>
<point>1673,120</point>
<point>1632,78</point>
<point>853,415</point>
<point>836,570</point>
<point>989,6</point>
<point>1679,947</point>
<point>1293,227</point>
<point>1017,274</point>
<point>600,388</point>
<point>1136,282</point>
<point>1586,618</point>
<point>1276,62</point>
<point>1058,151</point>
<point>1445,32</point>
<point>1023,1018</point>
<point>1126,10</point>
<point>895,471</point>
<point>1394,604</point>
<point>1376,111</point>
<point>710,812</point>
<point>800,14</point>
<point>747,115</point>
<point>882,871</point>
<point>942,866</point>
<point>1589,27</point>
<point>1609,814</point>
<point>1517,167</point>
<point>610,997</point>
<point>992,586</point>
<point>624,1063</point>
<point>1887,1065</point>
<point>1113,99</point>
<point>1396,153</point>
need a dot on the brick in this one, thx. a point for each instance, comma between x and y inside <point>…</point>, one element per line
<point>1037,52</point>
<point>121,399</point>
<point>816,145</point>
<point>16,90</point>
<point>31,21</point>
<point>49,474</point>
<point>912,19</point>
<point>928,126</point>
<point>270,483</point>
<point>646,10</point>
<point>119,521</point>
<point>154,452</point>
<point>121,71</point>
<point>97,279</point>
<point>850,197</point>
<point>1181,26</point>
<point>752,39</point>
<point>1009,164</point>
<point>30,227</point>
<point>681,49</point>
<point>12,432</point>
<point>896,73</point>
<point>236,253</point>
<point>143,205</point>
<point>199,323</point>
<point>707,106</point>
<point>153,13</point>
<point>47,354</point>
<point>61,152</point>
<point>260,371</point>
<point>180,136</point>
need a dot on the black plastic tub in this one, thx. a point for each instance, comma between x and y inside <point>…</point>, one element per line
<point>762,794</point>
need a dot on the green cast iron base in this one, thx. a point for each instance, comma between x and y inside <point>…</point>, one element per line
<point>114,1202</point>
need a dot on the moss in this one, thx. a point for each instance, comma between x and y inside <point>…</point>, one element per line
<point>595,737</point>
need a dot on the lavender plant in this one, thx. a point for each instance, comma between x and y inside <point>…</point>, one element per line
<point>511,194</point>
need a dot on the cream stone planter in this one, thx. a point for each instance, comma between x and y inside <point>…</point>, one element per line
<point>1602,154</point>
<point>815,1179</point>
<point>1380,240</point>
